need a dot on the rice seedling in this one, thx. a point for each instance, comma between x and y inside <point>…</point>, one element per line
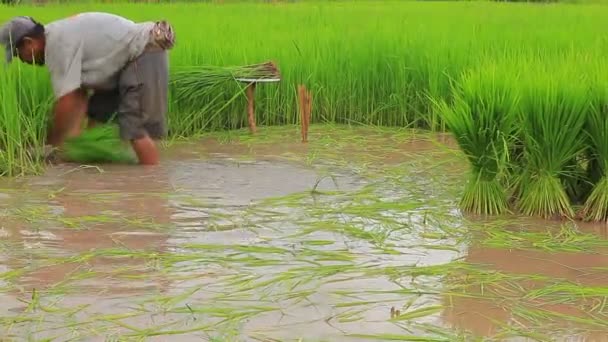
<point>564,239</point>
<point>23,105</point>
<point>400,337</point>
<point>333,250</point>
<point>482,117</point>
<point>196,78</point>
<point>553,115</point>
<point>596,204</point>
<point>101,143</point>
<point>280,274</point>
<point>359,70</point>
<point>207,87</point>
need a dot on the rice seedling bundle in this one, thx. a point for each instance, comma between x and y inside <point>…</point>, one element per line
<point>596,204</point>
<point>552,117</point>
<point>533,139</point>
<point>482,118</point>
<point>202,94</point>
<point>99,144</point>
<point>193,82</point>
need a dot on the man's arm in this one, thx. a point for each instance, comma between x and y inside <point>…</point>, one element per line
<point>68,112</point>
<point>64,61</point>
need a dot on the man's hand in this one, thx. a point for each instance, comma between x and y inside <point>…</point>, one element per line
<point>47,153</point>
<point>68,113</point>
<point>50,154</point>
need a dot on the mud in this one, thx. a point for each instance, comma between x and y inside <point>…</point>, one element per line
<point>236,238</point>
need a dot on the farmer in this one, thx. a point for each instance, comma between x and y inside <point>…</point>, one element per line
<point>100,65</point>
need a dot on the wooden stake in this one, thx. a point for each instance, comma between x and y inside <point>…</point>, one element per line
<point>308,111</point>
<point>301,105</point>
<point>302,98</point>
<point>251,107</point>
<point>305,110</point>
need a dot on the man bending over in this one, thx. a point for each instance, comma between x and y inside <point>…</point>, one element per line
<point>122,63</point>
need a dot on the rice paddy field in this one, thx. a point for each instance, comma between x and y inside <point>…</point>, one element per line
<point>453,186</point>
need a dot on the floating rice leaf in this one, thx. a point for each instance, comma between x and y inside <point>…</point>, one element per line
<point>396,337</point>
<point>418,313</point>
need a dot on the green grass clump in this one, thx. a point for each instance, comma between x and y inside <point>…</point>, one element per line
<point>99,144</point>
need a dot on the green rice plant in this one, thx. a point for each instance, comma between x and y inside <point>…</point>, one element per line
<point>24,99</point>
<point>596,205</point>
<point>482,118</point>
<point>553,114</point>
<point>193,82</point>
<point>101,143</point>
<point>365,62</point>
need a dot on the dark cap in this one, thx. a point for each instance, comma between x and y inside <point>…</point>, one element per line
<point>12,32</point>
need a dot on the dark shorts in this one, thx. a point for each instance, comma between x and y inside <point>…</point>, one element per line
<point>139,105</point>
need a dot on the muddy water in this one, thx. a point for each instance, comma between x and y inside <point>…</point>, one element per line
<point>272,240</point>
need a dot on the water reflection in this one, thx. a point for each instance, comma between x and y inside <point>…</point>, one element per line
<point>116,239</point>
<point>541,282</point>
<point>94,212</point>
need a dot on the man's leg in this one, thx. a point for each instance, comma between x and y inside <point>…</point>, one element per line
<point>143,88</point>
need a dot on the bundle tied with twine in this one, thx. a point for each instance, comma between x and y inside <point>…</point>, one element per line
<point>102,143</point>
<point>193,82</point>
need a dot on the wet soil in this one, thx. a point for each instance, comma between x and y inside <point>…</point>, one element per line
<point>241,238</point>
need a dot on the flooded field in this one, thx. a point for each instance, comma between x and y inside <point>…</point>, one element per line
<point>354,236</point>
